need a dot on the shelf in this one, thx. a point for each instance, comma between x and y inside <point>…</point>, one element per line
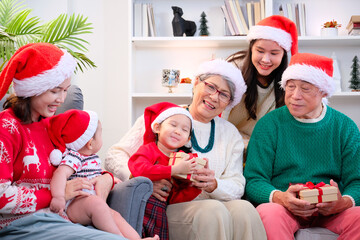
<point>195,42</point>
<point>189,95</point>
<point>162,95</point>
<point>236,41</point>
<point>346,94</point>
<point>315,41</point>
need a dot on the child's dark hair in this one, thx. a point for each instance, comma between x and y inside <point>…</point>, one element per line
<point>185,149</point>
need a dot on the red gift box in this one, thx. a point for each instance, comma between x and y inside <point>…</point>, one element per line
<point>176,156</point>
<point>318,193</point>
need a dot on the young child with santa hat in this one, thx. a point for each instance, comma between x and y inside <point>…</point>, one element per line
<point>77,134</point>
<point>167,128</point>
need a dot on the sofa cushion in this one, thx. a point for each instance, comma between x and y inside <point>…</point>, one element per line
<point>315,233</point>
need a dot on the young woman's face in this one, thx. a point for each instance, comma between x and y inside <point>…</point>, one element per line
<point>173,132</point>
<point>206,106</point>
<point>266,56</point>
<point>303,99</point>
<point>46,104</point>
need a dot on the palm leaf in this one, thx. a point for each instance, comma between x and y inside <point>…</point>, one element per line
<point>8,8</point>
<point>18,29</point>
<point>62,30</point>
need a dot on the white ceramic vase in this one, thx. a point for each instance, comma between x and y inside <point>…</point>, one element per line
<point>329,32</point>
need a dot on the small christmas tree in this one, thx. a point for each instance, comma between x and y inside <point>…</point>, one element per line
<point>355,74</point>
<point>203,27</point>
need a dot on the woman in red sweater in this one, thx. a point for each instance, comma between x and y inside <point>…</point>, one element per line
<point>41,74</point>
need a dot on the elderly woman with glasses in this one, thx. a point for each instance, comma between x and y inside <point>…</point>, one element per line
<point>218,212</point>
<point>305,141</point>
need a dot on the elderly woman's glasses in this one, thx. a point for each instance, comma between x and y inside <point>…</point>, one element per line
<point>210,88</point>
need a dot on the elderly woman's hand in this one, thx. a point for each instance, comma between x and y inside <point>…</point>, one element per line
<point>205,179</point>
<point>161,189</point>
<point>296,206</point>
<point>74,188</point>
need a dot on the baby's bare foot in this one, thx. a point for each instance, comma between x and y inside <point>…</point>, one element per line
<point>156,237</point>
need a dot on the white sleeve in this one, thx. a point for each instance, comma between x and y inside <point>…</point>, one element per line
<point>226,160</point>
<point>118,155</point>
<point>231,183</point>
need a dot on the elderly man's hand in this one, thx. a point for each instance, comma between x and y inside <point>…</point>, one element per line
<point>338,206</point>
<point>296,206</point>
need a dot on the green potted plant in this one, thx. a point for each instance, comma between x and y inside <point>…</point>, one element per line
<point>17,28</point>
<point>330,29</point>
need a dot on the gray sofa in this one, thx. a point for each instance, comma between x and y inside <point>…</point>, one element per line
<point>129,199</point>
<point>315,233</point>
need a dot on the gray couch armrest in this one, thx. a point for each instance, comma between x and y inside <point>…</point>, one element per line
<point>129,199</point>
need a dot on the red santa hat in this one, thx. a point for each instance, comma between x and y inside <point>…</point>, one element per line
<point>35,68</point>
<point>312,68</point>
<point>158,113</point>
<point>276,28</point>
<point>71,129</point>
<point>232,73</point>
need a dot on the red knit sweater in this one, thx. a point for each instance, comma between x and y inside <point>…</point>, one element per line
<point>150,162</point>
<point>25,170</point>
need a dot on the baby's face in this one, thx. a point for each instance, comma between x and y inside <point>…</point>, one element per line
<point>97,139</point>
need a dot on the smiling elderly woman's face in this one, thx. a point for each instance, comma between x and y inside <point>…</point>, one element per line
<point>205,106</point>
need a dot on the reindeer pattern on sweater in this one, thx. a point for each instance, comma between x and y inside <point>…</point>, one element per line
<point>25,169</point>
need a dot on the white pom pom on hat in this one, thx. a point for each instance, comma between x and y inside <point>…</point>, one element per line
<point>55,157</point>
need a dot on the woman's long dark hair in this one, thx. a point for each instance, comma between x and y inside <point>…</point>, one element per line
<point>250,76</point>
<point>21,107</point>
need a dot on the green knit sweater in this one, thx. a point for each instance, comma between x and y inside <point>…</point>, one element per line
<point>283,150</point>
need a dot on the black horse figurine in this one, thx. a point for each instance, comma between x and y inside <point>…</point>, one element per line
<point>180,25</point>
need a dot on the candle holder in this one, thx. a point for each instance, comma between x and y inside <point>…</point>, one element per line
<point>170,78</point>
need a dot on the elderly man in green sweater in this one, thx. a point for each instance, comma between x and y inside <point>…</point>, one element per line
<point>303,141</point>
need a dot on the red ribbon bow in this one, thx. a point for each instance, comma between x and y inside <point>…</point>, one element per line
<point>318,186</point>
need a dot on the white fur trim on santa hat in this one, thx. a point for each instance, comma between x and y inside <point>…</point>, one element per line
<point>310,74</point>
<point>278,35</point>
<point>224,68</point>
<point>170,112</point>
<point>36,85</point>
<point>87,135</point>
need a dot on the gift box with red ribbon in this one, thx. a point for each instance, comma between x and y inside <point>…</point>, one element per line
<point>318,193</point>
<point>176,156</point>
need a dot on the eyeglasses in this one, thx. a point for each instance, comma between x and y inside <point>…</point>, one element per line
<point>210,88</point>
<point>290,88</point>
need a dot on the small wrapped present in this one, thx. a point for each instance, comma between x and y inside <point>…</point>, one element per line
<point>176,156</point>
<point>318,193</point>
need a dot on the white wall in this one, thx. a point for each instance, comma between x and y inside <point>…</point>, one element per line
<point>105,88</point>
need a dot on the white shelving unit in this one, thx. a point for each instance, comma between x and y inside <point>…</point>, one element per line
<point>149,55</point>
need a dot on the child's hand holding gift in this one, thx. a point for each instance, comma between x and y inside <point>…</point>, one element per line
<point>184,166</point>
